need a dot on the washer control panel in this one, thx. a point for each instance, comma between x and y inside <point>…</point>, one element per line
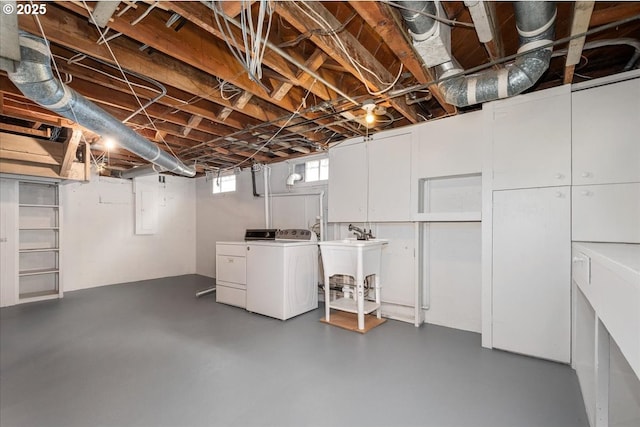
<point>296,234</point>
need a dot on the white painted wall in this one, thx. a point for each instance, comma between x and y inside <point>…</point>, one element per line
<point>224,217</point>
<point>452,263</point>
<point>295,211</point>
<point>98,243</point>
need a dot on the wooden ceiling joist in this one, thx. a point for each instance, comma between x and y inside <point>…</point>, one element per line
<point>581,16</point>
<point>385,22</point>
<point>292,13</point>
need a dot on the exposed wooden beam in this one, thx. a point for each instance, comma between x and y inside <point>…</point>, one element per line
<point>241,101</point>
<point>314,62</point>
<point>73,34</point>
<point>233,8</point>
<point>17,167</point>
<point>194,121</point>
<point>292,13</point>
<point>386,22</point>
<point>204,18</point>
<point>580,23</point>
<point>29,131</point>
<point>224,113</point>
<point>69,150</point>
<point>607,15</point>
<point>29,149</point>
<point>218,60</point>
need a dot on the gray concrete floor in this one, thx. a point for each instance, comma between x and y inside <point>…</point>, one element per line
<point>150,354</point>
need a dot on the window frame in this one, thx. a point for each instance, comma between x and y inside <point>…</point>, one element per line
<point>223,179</point>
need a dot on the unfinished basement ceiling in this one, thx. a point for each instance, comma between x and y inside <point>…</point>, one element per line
<point>323,61</point>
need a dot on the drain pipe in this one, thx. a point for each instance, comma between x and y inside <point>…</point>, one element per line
<point>34,78</point>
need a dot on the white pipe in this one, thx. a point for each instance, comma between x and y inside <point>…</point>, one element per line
<point>267,216</point>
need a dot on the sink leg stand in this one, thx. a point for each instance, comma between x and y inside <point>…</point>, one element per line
<point>327,298</point>
<point>376,285</point>
<point>360,293</point>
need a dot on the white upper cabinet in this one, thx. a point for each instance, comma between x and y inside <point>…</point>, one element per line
<point>371,181</point>
<point>348,178</point>
<point>532,139</point>
<point>390,178</point>
<point>606,134</point>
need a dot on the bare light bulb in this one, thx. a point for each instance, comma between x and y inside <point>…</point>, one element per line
<point>369,106</point>
<point>109,144</point>
<point>369,118</point>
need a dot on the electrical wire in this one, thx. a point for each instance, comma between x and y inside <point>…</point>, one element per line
<point>143,109</point>
<point>358,66</point>
<point>302,103</point>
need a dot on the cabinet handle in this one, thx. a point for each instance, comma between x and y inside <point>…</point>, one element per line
<point>586,193</point>
<point>586,174</point>
<point>230,260</point>
<point>559,194</point>
<point>577,259</point>
<point>559,176</point>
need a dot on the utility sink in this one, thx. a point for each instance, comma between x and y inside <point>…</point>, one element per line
<point>358,259</point>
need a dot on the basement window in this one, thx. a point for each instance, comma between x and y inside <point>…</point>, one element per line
<point>316,170</point>
<point>224,184</point>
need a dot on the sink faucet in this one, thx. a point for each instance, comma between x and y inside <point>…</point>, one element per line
<point>361,233</point>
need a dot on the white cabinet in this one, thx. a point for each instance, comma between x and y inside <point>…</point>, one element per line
<point>348,182</point>
<point>606,134</point>
<point>370,181</point>
<point>532,139</point>
<point>531,272</point>
<point>390,179</point>
<point>606,213</point>
<point>231,273</point>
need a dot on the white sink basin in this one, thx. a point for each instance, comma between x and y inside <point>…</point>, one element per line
<point>358,259</point>
<point>354,242</point>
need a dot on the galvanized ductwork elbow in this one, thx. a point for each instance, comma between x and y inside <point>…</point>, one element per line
<point>535,23</point>
<point>35,80</point>
<point>416,16</point>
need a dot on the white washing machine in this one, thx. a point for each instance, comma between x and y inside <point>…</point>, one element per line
<point>282,274</point>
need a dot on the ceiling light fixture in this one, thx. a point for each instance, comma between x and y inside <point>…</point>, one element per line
<point>369,106</point>
<point>109,143</point>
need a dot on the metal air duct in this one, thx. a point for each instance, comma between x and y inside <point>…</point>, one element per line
<point>34,78</point>
<point>535,23</point>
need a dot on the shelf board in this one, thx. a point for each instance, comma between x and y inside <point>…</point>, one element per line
<point>39,296</point>
<point>39,250</point>
<point>38,228</point>
<point>448,217</point>
<point>29,205</point>
<point>351,306</point>
<point>37,272</point>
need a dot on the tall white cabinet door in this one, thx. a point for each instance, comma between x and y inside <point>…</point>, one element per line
<point>532,140</point>
<point>606,133</point>
<point>531,272</point>
<point>390,178</point>
<point>348,183</point>
<point>8,242</point>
